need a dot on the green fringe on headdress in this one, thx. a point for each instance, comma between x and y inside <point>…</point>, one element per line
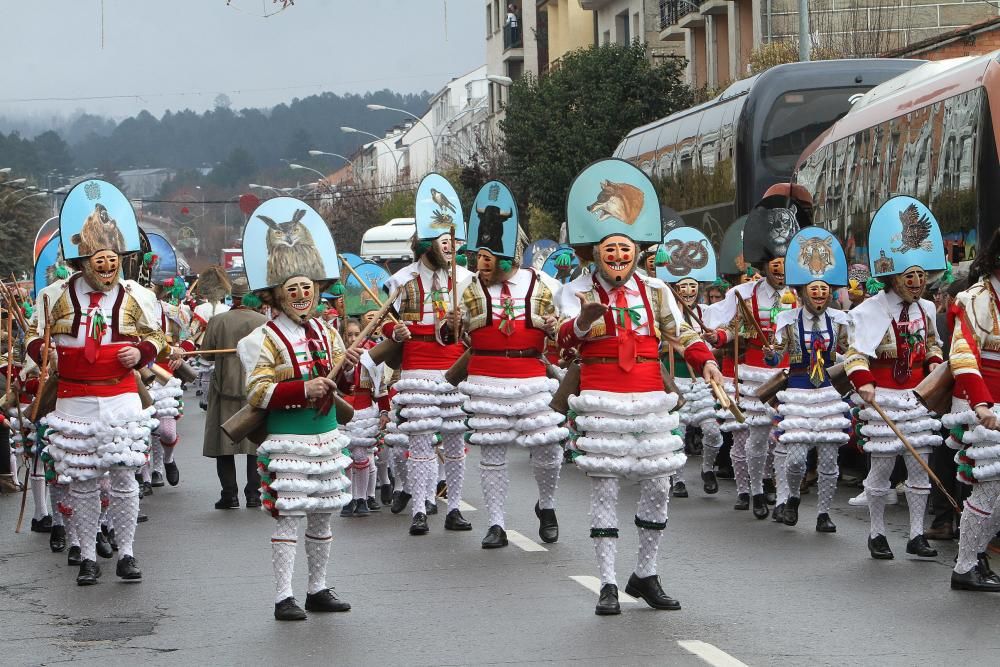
<point>62,272</point>
<point>506,265</point>
<point>422,247</point>
<point>460,257</point>
<point>721,283</point>
<point>564,259</point>
<point>251,301</point>
<point>29,310</point>
<point>949,276</point>
<point>661,256</point>
<point>337,289</point>
<point>750,272</point>
<point>873,286</point>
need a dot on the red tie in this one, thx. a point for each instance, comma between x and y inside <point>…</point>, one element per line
<point>95,328</point>
<point>318,363</point>
<point>506,310</point>
<point>901,369</point>
<point>626,336</point>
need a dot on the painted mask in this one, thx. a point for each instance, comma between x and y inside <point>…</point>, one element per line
<point>774,271</point>
<point>439,256</point>
<point>910,284</point>
<point>368,317</point>
<point>297,298</point>
<point>102,270</point>
<point>687,289</point>
<point>616,258</point>
<point>492,269</point>
<point>816,296</point>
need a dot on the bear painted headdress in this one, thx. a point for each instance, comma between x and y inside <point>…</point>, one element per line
<point>815,254</point>
<point>97,216</point>
<point>438,209</point>
<point>904,233</point>
<point>283,238</point>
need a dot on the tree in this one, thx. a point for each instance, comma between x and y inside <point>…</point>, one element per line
<point>53,153</point>
<point>236,168</point>
<point>579,112</point>
<point>21,214</point>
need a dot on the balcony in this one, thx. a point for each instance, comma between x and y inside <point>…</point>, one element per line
<point>594,5</point>
<point>678,15</point>
<point>511,37</point>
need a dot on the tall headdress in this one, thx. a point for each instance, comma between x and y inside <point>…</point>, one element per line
<point>688,255</point>
<point>96,216</point>
<point>611,197</point>
<point>357,300</point>
<point>137,266</point>
<point>562,263</point>
<point>163,261</point>
<point>284,238</point>
<point>438,209</point>
<point>49,265</point>
<point>815,254</point>
<point>904,233</point>
<point>768,230</point>
<point>493,221</point>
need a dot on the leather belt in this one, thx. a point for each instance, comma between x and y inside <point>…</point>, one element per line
<point>614,360</point>
<point>423,338</point>
<point>510,354</point>
<point>107,382</point>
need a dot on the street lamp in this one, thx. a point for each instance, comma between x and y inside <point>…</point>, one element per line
<point>34,194</point>
<point>504,81</point>
<point>392,149</point>
<point>382,107</point>
<point>257,186</point>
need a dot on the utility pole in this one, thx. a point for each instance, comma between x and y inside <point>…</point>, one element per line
<point>805,41</point>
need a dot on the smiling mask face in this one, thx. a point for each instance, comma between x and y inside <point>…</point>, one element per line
<point>687,290</point>
<point>102,270</point>
<point>816,296</point>
<point>616,259</point>
<point>297,298</point>
<point>910,284</point>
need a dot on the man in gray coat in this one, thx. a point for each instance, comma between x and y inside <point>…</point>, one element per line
<point>226,395</point>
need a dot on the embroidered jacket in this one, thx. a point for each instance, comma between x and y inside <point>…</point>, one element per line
<point>975,343</point>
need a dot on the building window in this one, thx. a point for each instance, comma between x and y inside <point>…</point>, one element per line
<point>489,20</point>
<point>636,34</point>
<point>622,28</point>
<point>496,15</point>
<point>607,37</point>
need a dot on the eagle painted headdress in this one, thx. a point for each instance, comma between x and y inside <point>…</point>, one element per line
<point>904,233</point>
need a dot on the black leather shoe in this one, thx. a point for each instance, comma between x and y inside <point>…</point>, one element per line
<point>104,549</point>
<point>548,526</point>
<point>442,489</point>
<point>253,501</point>
<point>228,503</point>
<point>173,474</point>
<point>146,489</point>
<point>373,505</point>
<point>386,493</point>
<point>496,537</point>
<point>361,507</point>
<point>878,547</point>
<point>679,490</point>
<point>326,600</point>
<point>711,484</point>
<point>607,604</point>
<point>348,509</point>
<point>824,525</point>
<point>431,508</point>
<point>73,558</point>
<point>156,479</point>
<point>974,580</point>
<point>90,571</point>
<point>128,569</point>
<point>419,524</point>
<point>143,518</point>
<point>770,494</point>
<point>288,610</point>
<point>649,589</point>
<point>400,499</point>
<point>984,566</point>
<point>43,525</point>
<point>760,510</point>
<point>455,521</point>
<point>725,472</point>
<point>918,546</point>
<point>742,502</point>
<point>791,515</point>
<point>778,515</point>
<point>57,539</point>
<point>111,537</point>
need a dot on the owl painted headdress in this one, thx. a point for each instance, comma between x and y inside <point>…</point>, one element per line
<point>815,254</point>
<point>904,233</point>
<point>97,216</point>
<point>284,238</point>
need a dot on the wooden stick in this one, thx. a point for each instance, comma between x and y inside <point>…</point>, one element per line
<point>753,319</point>
<point>454,272</point>
<point>365,286</point>
<point>687,309</point>
<point>323,406</point>
<point>13,306</point>
<point>727,404</point>
<point>193,353</point>
<point>913,452</point>
<point>10,348</point>
<point>736,365</point>
<point>42,377</point>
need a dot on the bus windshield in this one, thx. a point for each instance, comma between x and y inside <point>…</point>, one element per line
<point>797,118</point>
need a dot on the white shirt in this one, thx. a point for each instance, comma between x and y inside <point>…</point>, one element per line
<point>425,274</point>
<point>107,304</point>
<point>569,305</point>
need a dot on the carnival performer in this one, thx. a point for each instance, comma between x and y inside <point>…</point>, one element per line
<point>748,311</point>
<point>811,411</point>
<point>102,329</point>
<point>508,313</point>
<point>288,361</point>
<point>428,407</point>
<point>689,260</point>
<point>213,285</point>
<point>622,416</point>
<point>226,395</point>
<point>893,345</point>
<point>973,421</point>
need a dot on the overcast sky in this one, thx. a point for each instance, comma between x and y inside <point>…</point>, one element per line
<point>172,54</point>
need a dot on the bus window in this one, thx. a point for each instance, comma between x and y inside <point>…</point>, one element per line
<point>666,150</point>
<point>648,147</point>
<point>796,119</point>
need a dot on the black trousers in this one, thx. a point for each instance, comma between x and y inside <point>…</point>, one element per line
<point>942,462</point>
<point>5,451</point>
<point>225,467</point>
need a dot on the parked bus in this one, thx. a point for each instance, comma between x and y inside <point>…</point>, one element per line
<point>931,134</point>
<point>713,162</point>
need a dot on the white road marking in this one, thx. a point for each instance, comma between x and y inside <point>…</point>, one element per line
<point>593,584</point>
<point>523,542</point>
<point>465,507</point>
<point>710,654</point>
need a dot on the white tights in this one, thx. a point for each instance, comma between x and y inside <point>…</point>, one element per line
<point>654,495</point>
<point>877,487</point>
<point>283,544</point>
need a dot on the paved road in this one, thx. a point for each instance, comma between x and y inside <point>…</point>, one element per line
<point>753,592</point>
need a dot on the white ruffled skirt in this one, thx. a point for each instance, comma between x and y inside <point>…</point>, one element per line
<point>699,402</point>
<point>303,474</point>
<point>912,418</point>
<point>427,403</point>
<point>627,435</point>
<point>362,430</point>
<point>978,457</point>
<point>813,417</point>
<point>512,410</point>
<point>87,435</point>
<point>167,398</point>
<point>751,377</point>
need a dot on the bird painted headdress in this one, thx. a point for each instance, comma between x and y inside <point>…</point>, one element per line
<point>438,209</point>
<point>49,265</point>
<point>904,233</point>
<point>97,216</point>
